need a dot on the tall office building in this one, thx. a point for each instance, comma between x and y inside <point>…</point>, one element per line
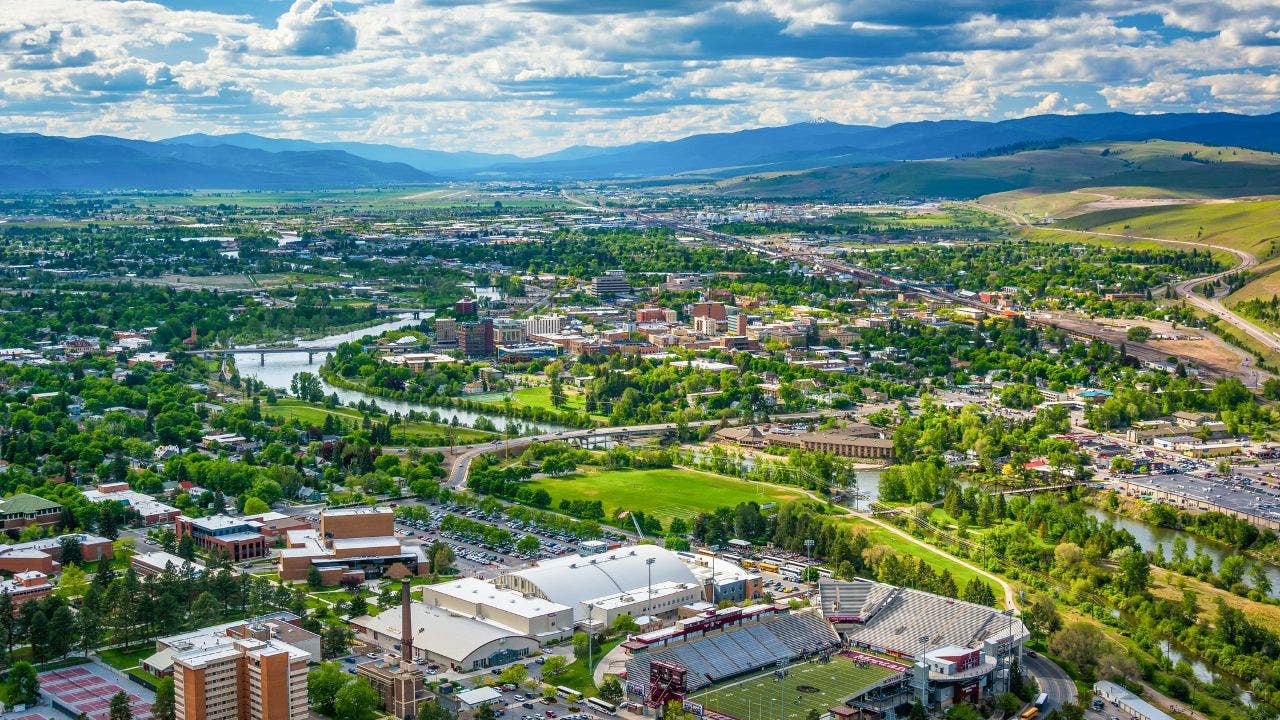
<point>544,324</point>
<point>613,282</point>
<point>476,338</point>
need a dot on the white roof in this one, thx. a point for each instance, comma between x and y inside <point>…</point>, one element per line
<point>574,579</point>
<point>161,559</point>
<point>477,591</point>
<point>356,511</point>
<point>440,631</point>
<point>478,696</point>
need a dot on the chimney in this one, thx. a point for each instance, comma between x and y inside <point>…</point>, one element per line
<point>406,623</point>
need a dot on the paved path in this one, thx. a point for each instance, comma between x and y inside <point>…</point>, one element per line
<point>1053,682</point>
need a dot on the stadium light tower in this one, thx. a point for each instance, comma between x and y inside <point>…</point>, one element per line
<point>808,549</point>
<point>648,602</point>
<point>590,654</point>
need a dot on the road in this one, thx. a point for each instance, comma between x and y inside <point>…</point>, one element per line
<point>1053,681</point>
<point>1185,288</point>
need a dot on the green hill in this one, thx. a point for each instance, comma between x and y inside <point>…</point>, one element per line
<point>1170,168</point>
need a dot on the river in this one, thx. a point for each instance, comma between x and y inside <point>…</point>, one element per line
<point>279,369</point>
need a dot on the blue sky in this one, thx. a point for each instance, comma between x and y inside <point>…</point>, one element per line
<point>530,76</point>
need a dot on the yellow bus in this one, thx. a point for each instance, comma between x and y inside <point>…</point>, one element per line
<point>1030,713</point>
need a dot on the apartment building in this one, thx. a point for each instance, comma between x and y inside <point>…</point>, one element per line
<point>544,324</point>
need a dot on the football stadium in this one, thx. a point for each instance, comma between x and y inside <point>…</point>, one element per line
<point>868,649</point>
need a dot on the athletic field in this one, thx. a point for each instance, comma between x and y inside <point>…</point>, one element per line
<point>760,696</point>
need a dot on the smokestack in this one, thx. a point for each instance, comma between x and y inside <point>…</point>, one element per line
<point>406,623</point>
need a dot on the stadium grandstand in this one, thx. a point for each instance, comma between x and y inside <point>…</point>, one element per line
<point>715,653</point>
<point>868,646</point>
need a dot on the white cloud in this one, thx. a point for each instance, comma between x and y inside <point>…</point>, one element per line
<point>310,27</point>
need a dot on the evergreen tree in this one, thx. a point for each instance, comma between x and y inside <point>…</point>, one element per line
<point>120,707</point>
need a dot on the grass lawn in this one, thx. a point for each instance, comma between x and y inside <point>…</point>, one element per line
<point>575,674</point>
<point>1249,226</point>
<point>535,397</point>
<point>122,659</point>
<point>879,536</point>
<point>760,696</point>
<point>665,492</point>
<point>413,433</point>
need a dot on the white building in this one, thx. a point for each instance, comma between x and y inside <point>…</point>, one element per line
<point>544,324</point>
<point>539,618</point>
<point>439,636</point>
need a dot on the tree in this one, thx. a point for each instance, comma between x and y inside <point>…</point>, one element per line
<point>357,700</point>
<point>88,627</point>
<point>206,610</point>
<point>23,687</point>
<point>323,685</point>
<point>1138,334</point>
<point>554,665</point>
<point>611,690</point>
<point>1079,643</point>
<point>120,707</point>
<point>978,592</point>
<point>1042,617</point>
<point>124,548</point>
<point>431,710</point>
<point>69,550</point>
<point>581,644</point>
<point>1008,703</point>
<point>528,545</point>
<point>962,711</point>
<point>514,674</point>
<point>917,712</point>
<point>62,632</point>
<point>73,583</point>
<point>186,547</point>
<point>1135,572</point>
<point>333,641</point>
<point>357,605</point>
<point>255,506</point>
<point>313,577</point>
<point>486,712</point>
<point>1232,570</point>
<point>163,707</point>
<point>442,557</point>
<point>624,624</point>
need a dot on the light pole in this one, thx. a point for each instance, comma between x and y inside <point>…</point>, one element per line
<point>590,652</point>
<point>648,602</point>
<point>808,549</point>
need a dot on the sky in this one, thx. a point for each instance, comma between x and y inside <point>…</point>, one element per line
<point>533,76</point>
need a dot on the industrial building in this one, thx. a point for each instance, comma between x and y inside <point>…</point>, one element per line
<point>397,679</point>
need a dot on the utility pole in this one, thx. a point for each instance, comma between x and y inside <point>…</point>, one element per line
<point>590,650</point>
<point>648,603</point>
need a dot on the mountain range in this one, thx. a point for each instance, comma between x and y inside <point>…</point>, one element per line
<point>31,162</point>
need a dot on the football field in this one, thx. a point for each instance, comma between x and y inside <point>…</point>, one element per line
<point>808,686</point>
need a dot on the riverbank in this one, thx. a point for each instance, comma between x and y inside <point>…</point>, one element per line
<point>519,412</point>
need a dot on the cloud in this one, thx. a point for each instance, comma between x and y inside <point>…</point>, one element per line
<point>310,28</point>
<point>535,75</point>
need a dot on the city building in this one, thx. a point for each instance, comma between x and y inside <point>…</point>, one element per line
<point>351,544</point>
<point>45,554</point>
<point>476,338</point>
<point>528,351</point>
<point>713,310</point>
<point>509,332</point>
<point>23,509</point>
<point>613,282</point>
<point>544,324</point>
<point>239,538</point>
<point>465,308</point>
<point>446,332</point>
<point>246,670</point>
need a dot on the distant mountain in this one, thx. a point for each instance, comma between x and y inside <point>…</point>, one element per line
<point>32,162</point>
<point>823,144</point>
<point>430,161</point>
<point>251,161</point>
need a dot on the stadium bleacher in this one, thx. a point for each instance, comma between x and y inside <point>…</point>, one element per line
<point>741,650</point>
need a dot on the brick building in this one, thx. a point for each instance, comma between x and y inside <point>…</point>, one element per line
<point>19,511</point>
<point>241,539</point>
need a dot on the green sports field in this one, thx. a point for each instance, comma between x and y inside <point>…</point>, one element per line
<point>761,696</point>
<point>665,492</point>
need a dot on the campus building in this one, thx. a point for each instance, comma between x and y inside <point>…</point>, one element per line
<point>156,563</point>
<point>150,510</point>
<point>23,509</point>
<point>44,555</point>
<point>239,538</point>
<point>544,325</point>
<point>24,586</point>
<point>351,544</point>
<point>541,619</point>
<point>398,679</point>
<point>246,670</point>
<point>444,638</point>
<point>613,282</point>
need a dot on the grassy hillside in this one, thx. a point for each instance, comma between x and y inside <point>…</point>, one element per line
<point>1154,168</point>
<point>1253,226</point>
